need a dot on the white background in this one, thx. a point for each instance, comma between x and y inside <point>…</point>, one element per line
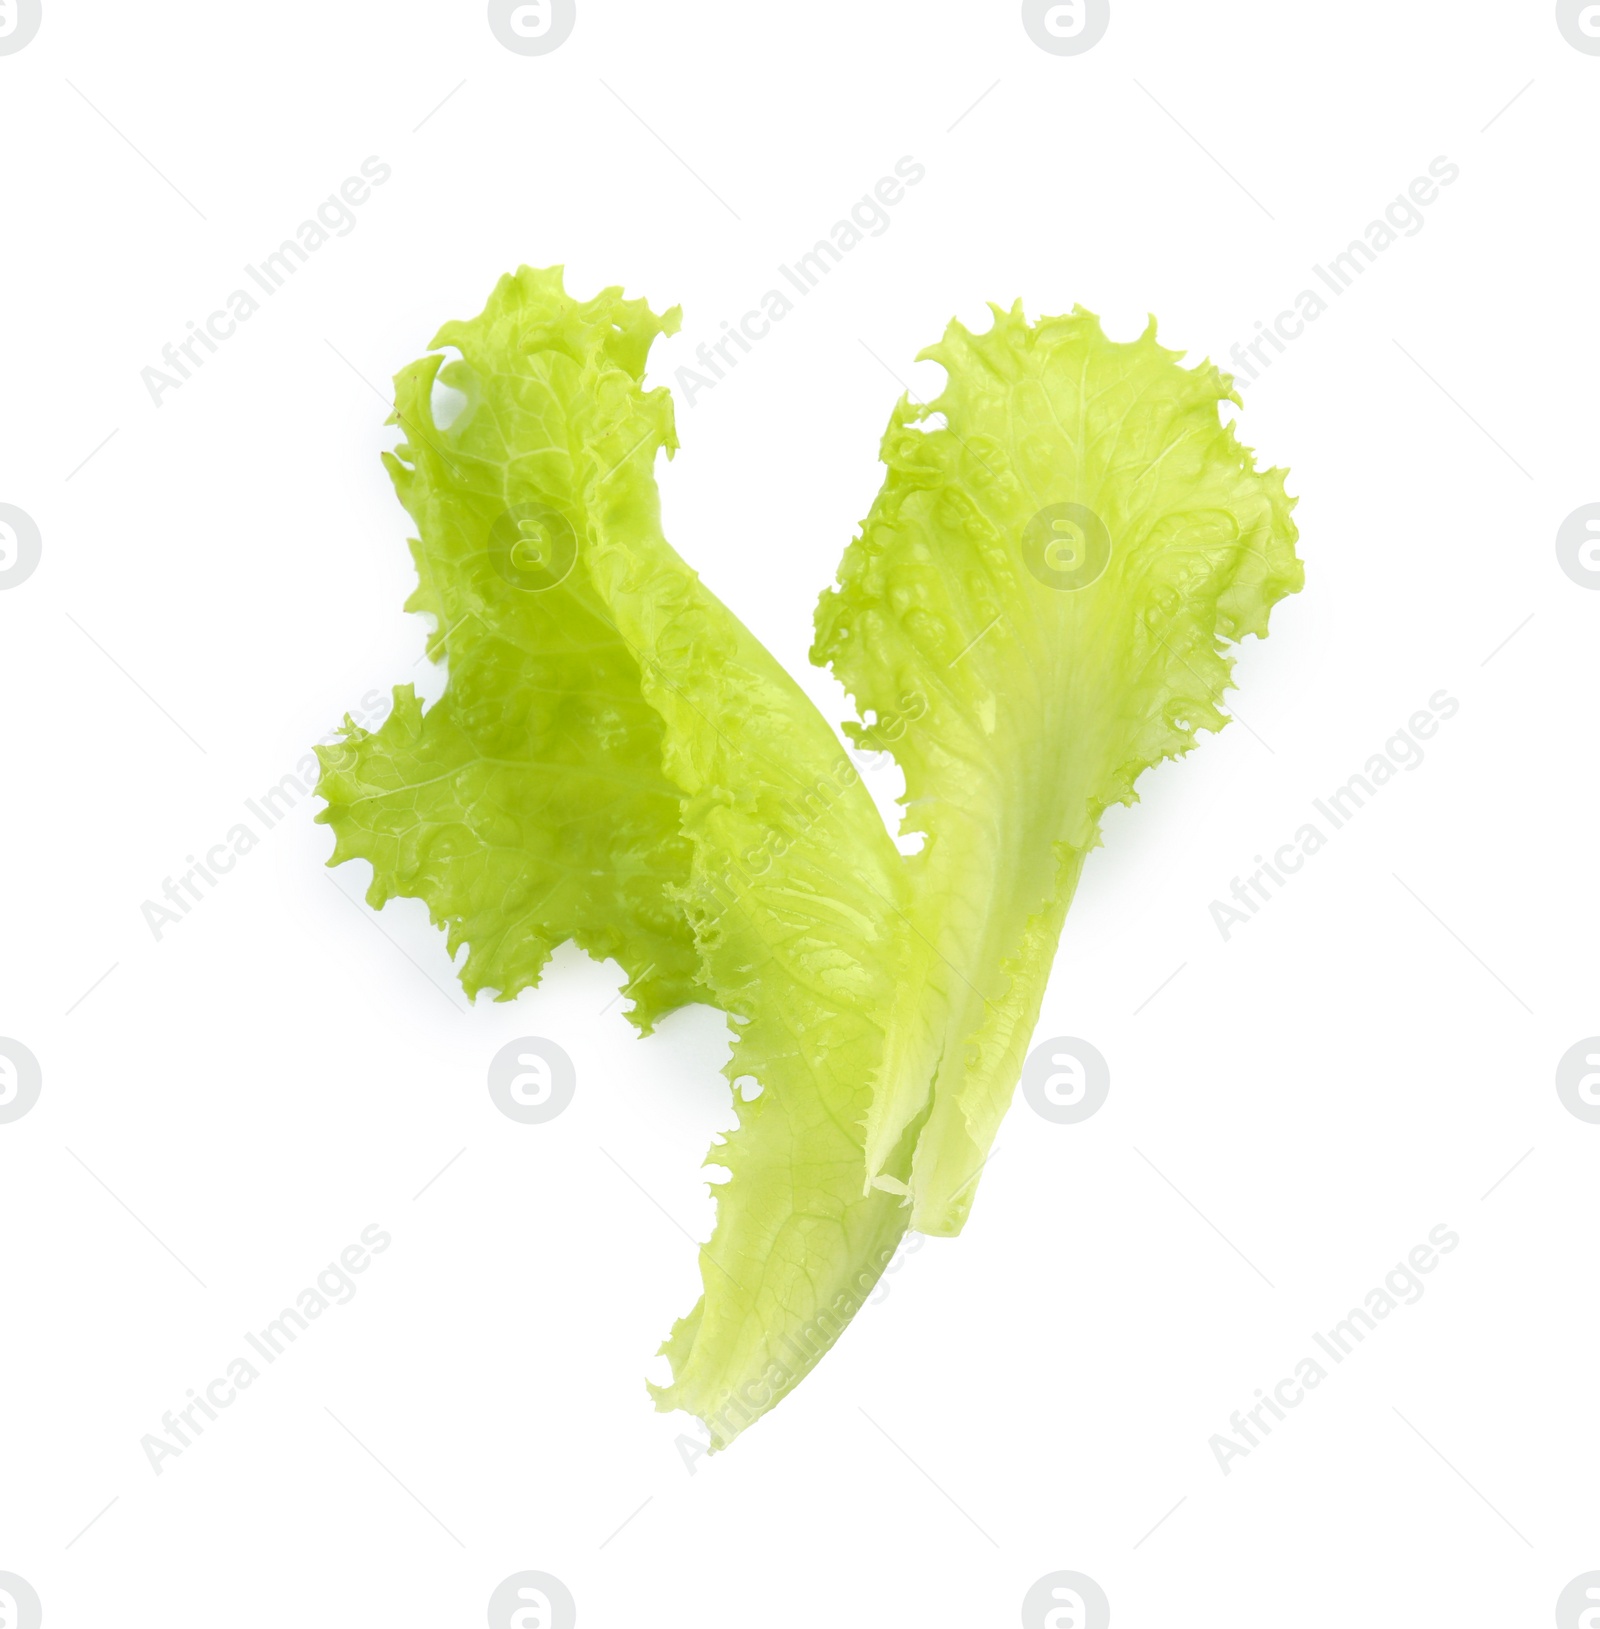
<point>229,1106</point>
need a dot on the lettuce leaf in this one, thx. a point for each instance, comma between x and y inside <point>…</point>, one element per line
<point>1042,595</point>
<point>617,760</point>
<point>1039,602</point>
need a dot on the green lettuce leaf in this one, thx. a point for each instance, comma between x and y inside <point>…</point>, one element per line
<point>1041,599</point>
<point>618,761</point>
